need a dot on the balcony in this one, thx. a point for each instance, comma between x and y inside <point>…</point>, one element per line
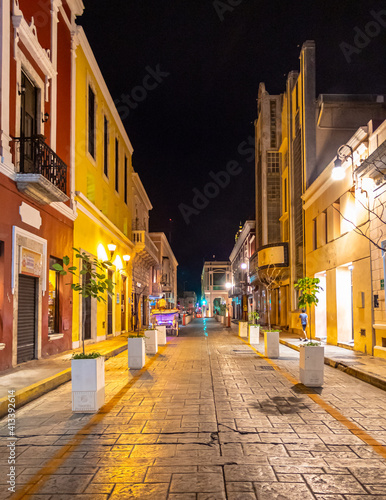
<point>41,174</point>
<point>144,247</point>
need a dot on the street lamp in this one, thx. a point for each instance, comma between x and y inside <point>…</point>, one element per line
<point>228,286</point>
<point>243,265</point>
<point>111,246</point>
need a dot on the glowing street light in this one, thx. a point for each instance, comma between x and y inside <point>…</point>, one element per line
<point>243,265</point>
<point>338,172</point>
<point>228,286</point>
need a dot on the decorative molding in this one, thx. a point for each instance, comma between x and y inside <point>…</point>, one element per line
<point>28,35</point>
<point>30,215</point>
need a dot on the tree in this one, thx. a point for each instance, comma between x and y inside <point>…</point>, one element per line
<point>308,288</point>
<point>97,284</point>
<point>270,278</point>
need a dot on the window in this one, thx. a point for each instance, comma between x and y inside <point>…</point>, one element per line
<point>273,163</point>
<point>126,179</point>
<point>116,165</point>
<point>273,123</point>
<point>91,122</point>
<point>106,147</point>
<point>53,297</point>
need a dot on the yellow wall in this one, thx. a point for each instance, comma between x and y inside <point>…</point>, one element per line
<point>91,228</point>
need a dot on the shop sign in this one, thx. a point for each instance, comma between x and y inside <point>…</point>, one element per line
<point>30,262</point>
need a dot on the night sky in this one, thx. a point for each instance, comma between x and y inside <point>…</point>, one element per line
<point>210,57</point>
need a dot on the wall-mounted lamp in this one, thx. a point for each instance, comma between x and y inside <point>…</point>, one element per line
<point>111,246</point>
<point>126,258</point>
<point>21,89</point>
<point>338,172</point>
<point>45,117</point>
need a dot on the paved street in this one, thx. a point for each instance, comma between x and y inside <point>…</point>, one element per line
<point>208,418</point>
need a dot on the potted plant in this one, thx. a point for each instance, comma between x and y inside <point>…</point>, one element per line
<point>151,341</point>
<point>311,364</point>
<point>253,328</point>
<point>136,351</point>
<point>87,370</point>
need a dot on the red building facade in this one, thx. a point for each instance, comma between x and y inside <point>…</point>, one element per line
<point>36,162</point>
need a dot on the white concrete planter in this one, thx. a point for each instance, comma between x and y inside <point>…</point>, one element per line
<point>151,341</point>
<point>253,334</point>
<point>271,344</point>
<point>311,365</point>
<point>161,329</point>
<point>243,328</point>
<point>136,353</point>
<point>223,320</point>
<point>88,384</point>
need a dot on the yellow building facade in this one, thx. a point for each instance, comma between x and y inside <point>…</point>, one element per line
<point>103,194</point>
<point>338,255</point>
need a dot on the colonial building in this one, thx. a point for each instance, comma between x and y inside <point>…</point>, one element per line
<point>215,285</point>
<point>241,291</point>
<point>103,191</point>
<point>188,302</point>
<point>146,262</point>
<point>165,276</point>
<point>36,172</point>
<point>307,138</point>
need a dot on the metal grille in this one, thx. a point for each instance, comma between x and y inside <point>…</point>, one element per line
<point>26,319</point>
<point>33,156</point>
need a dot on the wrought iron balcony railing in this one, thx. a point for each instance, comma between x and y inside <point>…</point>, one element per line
<point>34,156</point>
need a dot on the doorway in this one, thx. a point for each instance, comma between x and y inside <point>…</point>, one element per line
<point>110,308</point>
<point>321,308</point>
<point>28,122</point>
<point>123,304</point>
<point>86,305</point>
<point>26,318</point>
<point>344,304</point>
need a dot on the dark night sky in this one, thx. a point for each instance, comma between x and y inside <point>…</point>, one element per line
<point>196,118</point>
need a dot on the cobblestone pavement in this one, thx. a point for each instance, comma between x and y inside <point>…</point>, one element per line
<point>209,418</point>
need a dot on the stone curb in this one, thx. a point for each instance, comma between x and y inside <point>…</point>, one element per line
<point>34,391</point>
<point>343,367</point>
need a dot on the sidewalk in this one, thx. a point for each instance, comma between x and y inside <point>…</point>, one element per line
<point>357,364</point>
<point>35,378</point>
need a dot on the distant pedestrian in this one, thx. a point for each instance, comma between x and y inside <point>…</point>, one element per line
<point>304,320</point>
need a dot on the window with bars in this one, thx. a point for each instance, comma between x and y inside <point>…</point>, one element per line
<point>273,163</point>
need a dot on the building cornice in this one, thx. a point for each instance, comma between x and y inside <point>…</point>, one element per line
<point>161,237</point>
<point>249,225</point>
<point>87,50</point>
<point>141,191</point>
<point>324,181</point>
<point>89,209</point>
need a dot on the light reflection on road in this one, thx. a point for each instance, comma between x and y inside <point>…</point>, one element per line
<point>205,332</point>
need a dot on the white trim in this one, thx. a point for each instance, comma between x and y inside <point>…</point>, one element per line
<point>65,210</point>
<point>74,44</point>
<point>76,6</point>
<point>17,231</point>
<point>113,230</point>
<point>55,4</point>
<point>5,28</point>
<point>76,344</point>
<point>379,326</point>
<point>64,15</point>
<point>103,87</point>
<point>28,35</point>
